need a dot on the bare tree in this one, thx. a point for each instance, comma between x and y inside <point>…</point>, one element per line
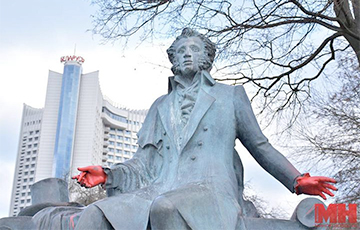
<point>267,43</point>
<point>85,196</point>
<point>262,206</point>
<point>335,140</point>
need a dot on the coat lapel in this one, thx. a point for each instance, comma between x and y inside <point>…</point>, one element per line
<point>166,113</point>
<point>202,105</point>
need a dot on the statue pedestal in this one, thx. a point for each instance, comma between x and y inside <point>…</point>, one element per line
<point>50,190</point>
<point>53,192</point>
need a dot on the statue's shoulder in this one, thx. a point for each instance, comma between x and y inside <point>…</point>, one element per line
<point>229,90</point>
<point>234,93</point>
<point>157,102</point>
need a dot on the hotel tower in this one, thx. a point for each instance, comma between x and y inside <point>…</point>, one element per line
<point>77,127</point>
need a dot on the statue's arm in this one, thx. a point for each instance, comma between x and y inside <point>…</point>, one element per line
<point>133,174</point>
<point>145,166</point>
<point>251,136</point>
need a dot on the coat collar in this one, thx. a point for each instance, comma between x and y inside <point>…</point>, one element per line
<point>205,78</point>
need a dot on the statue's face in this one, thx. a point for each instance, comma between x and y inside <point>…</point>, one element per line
<point>189,52</point>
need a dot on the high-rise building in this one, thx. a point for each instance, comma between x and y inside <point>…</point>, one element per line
<point>77,127</point>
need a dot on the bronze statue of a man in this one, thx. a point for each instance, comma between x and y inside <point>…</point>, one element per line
<point>186,173</point>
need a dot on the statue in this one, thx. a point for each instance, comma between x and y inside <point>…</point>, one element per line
<point>186,173</point>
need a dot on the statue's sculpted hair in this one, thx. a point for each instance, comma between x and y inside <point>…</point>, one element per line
<point>205,63</point>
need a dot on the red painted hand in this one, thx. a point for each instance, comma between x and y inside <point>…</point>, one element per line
<point>316,185</point>
<point>91,176</point>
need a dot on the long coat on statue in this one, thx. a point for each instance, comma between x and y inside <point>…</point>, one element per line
<point>199,171</point>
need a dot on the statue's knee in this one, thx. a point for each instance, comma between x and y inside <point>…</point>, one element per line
<point>92,211</point>
<point>162,206</point>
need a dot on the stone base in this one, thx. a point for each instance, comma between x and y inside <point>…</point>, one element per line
<point>261,223</point>
<point>17,223</point>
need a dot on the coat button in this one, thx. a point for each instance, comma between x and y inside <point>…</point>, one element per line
<point>205,128</point>
<point>200,143</point>
<point>193,158</point>
<point>164,133</point>
<point>168,147</point>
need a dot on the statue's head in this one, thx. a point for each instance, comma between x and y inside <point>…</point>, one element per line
<point>191,51</point>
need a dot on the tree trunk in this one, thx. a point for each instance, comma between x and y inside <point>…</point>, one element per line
<point>349,22</point>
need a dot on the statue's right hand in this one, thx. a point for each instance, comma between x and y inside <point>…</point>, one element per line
<point>91,176</point>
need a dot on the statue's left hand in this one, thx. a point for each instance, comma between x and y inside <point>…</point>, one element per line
<point>316,185</point>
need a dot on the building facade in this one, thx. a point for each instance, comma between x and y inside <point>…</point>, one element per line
<point>77,127</point>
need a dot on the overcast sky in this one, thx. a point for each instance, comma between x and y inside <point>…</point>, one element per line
<point>35,34</point>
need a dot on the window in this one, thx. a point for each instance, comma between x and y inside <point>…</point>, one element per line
<point>31,132</point>
<point>127,146</point>
<point>22,201</point>
<point>114,116</point>
<point>127,153</point>
<point>35,145</point>
<point>112,129</point>
<point>112,136</point>
<point>31,179</point>
<point>118,151</point>
<point>119,137</point>
<point>25,180</point>
<point>33,166</point>
<point>111,157</point>
<point>119,144</point>
<point>26,173</point>
<point>118,158</point>
<point>127,132</point>
<point>36,138</point>
<point>127,139</point>
<point>29,146</point>
<point>112,142</point>
<point>37,131</point>
<point>34,158</point>
<point>111,149</point>
<point>30,139</point>
<point>34,152</point>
